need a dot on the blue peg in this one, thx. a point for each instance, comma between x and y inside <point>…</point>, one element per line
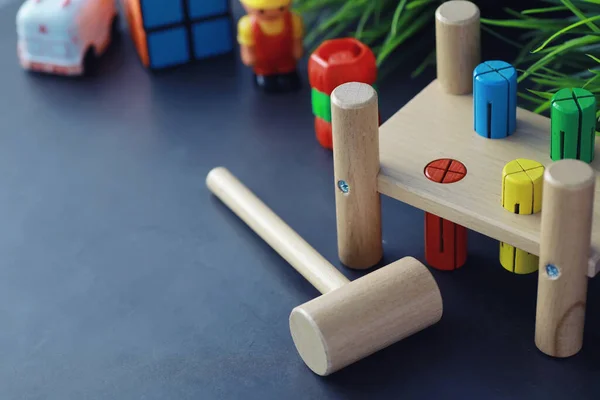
<point>495,99</point>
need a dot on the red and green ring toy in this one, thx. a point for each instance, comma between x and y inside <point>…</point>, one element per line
<point>332,64</point>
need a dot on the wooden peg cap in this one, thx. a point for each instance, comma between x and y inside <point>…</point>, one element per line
<point>365,316</point>
<point>457,12</point>
<point>354,95</point>
<point>458,45</point>
<point>570,175</point>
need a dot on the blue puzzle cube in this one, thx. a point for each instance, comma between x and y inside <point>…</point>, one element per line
<point>495,99</point>
<point>212,37</point>
<point>178,31</point>
<point>158,13</point>
<point>168,48</point>
<point>207,8</point>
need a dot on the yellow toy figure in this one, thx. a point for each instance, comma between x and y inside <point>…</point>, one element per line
<point>270,39</point>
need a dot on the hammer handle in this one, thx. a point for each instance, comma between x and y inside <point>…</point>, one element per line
<point>262,220</point>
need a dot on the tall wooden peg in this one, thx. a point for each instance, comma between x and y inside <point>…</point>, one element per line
<point>458,45</point>
<point>567,213</point>
<point>355,124</point>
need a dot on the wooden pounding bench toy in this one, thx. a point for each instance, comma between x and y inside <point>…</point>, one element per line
<point>464,153</point>
<point>351,320</point>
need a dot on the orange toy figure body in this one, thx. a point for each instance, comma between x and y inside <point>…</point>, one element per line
<point>270,39</point>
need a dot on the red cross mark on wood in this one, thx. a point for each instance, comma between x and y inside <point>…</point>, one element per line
<point>445,170</point>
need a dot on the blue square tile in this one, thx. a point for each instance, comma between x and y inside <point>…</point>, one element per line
<point>157,13</point>
<point>213,37</point>
<point>168,48</point>
<point>207,8</point>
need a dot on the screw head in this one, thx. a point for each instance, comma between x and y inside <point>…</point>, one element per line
<point>343,186</point>
<point>552,271</point>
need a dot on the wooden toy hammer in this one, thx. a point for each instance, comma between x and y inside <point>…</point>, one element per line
<point>351,320</point>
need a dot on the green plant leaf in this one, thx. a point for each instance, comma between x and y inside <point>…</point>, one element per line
<point>499,36</point>
<point>363,20</point>
<point>543,107</point>
<point>543,25</point>
<point>579,14</point>
<point>569,82</point>
<point>548,76</point>
<point>544,10</point>
<point>390,46</point>
<point>594,58</point>
<point>396,17</point>
<point>429,60</point>
<point>588,83</point>
<point>564,30</point>
<point>543,95</point>
<point>568,45</point>
<point>530,98</point>
<point>515,14</point>
<point>553,72</point>
<point>418,3</point>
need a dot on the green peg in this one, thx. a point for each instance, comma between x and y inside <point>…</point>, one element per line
<point>573,117</point>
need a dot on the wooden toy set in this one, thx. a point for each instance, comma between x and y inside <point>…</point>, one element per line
<point>463,152</point>
<point>167,33</point>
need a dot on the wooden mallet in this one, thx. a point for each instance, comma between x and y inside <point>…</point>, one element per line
<point>351,320</point>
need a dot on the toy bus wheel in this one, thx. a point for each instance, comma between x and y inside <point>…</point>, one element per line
<point>90,61</point>
<point>115,27</point>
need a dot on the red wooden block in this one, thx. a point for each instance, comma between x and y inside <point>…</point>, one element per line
<point>445,243</point>
<point>338,61</point>
<point>324,134</point>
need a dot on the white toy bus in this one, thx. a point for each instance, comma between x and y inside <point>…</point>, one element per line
<point>63,36</point>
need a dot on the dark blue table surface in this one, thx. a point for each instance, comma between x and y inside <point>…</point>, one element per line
<point>121,277</point>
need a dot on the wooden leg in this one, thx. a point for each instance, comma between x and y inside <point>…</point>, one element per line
<point>567,214</point>
<point>355,125</point>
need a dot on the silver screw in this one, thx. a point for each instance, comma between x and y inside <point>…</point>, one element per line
<point>343,186</point>
<point>552,271</point>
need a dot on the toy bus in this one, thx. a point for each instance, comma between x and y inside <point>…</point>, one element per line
<point>64,37</point>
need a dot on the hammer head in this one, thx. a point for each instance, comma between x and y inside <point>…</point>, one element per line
<point>365,316</point>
